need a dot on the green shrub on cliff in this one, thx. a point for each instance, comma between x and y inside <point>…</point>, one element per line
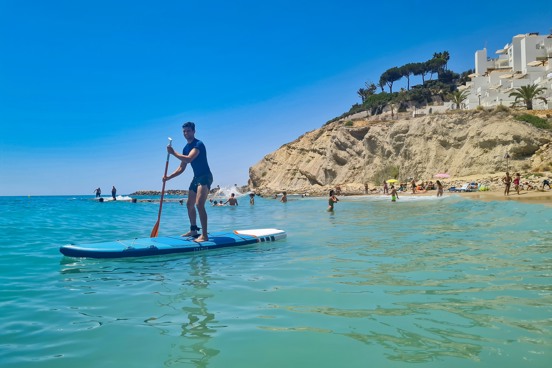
<point>534,120</point>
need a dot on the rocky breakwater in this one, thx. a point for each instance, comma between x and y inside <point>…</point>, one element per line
<point>351,154</point>
<point>154,192</point>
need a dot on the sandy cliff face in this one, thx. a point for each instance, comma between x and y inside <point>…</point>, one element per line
<point>349,156</point>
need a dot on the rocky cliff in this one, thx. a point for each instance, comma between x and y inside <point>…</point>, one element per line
<point>351,154</point>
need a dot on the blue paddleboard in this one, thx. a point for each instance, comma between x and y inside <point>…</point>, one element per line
<point>141,247</point>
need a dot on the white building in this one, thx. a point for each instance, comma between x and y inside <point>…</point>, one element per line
<point>523,62</point>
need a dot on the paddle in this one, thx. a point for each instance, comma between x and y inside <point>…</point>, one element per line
<point>155,229</point>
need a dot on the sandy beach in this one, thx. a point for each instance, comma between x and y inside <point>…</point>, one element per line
<point>533,196</point>
<point>495,187</point>
<point>495,193</point>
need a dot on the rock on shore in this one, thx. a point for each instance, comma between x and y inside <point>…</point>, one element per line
<point>350,154</point>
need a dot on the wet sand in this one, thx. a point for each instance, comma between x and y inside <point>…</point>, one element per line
<point>532,196</point>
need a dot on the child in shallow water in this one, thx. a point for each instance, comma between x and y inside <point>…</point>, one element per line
<point>331,201</point>
<point>394,194</point>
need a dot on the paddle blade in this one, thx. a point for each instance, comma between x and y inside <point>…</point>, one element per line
<point>155,230</point>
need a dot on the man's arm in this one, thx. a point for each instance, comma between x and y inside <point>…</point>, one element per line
<point>184,158</point>
<point>179,170</point>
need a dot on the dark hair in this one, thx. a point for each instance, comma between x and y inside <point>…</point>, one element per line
<point>189,124</point>
<point>331,192</point>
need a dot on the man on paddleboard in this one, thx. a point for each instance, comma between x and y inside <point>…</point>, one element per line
<point>194,153</point>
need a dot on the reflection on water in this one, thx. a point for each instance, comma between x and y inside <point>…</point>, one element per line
<point>181,299</point>
<point>199,327</point>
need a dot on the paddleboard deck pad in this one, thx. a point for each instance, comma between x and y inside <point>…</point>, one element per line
<point>141,247</point>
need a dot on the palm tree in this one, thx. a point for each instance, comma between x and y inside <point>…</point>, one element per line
<point>457,97</point>
<point>528,94</point>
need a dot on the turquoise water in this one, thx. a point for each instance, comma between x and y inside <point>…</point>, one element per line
<point>422,282</point>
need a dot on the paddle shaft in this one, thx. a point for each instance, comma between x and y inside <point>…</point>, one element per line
<point>155,229</point>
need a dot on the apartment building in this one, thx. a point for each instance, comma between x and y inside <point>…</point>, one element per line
<point>524,61</point>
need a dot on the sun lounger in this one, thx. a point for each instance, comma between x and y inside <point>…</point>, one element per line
<point>465,188</point>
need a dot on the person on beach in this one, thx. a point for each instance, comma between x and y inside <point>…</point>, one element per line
<point>385,188</point>
<point>232,201</point>
<point>439,188</point>
<point>507,180</point>
<point>194,153</point>
<point>413,186</point>
<point>394,194</point>
<point>284,197</point>
<point>98,192</point>
<point>545,182</point>
<point>332,200</point>
<point>517,182</point>
<point>252,198</point>
<point>114,193</point>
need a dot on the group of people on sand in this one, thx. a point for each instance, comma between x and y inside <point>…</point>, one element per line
<point>518,185</point>
<point>394,192</point>
<point>424,186</point>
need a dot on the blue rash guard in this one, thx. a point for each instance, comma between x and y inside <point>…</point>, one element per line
<point>202,172</point>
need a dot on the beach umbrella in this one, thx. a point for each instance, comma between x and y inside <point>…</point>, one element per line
<point>442,176</point>
<point>391,181</point>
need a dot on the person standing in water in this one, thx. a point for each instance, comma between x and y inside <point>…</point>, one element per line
<point>284,197</point>
<point>194,153</point>
<point>232,201</point>
<point>252,198</point>
<point>114,193</point>
<point>98,192</point>
<point>394,194</point>
<point>331,201</point>
<point>439,189</point>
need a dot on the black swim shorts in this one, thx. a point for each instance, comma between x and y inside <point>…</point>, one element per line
<point>201,180</point>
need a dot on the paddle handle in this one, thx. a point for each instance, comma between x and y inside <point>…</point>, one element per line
<point>164,181</point>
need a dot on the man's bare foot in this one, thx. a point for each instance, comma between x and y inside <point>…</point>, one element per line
<point>193,234</point>
<point>193,231</point>
<point>201,238</point>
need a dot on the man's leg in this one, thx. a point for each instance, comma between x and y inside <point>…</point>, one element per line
<point>202,194</point>
<point>190,205</point>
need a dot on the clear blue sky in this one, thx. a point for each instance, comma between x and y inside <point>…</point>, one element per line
<point>90,90</point>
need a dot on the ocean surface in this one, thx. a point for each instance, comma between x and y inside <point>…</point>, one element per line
<point>423,282</point>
